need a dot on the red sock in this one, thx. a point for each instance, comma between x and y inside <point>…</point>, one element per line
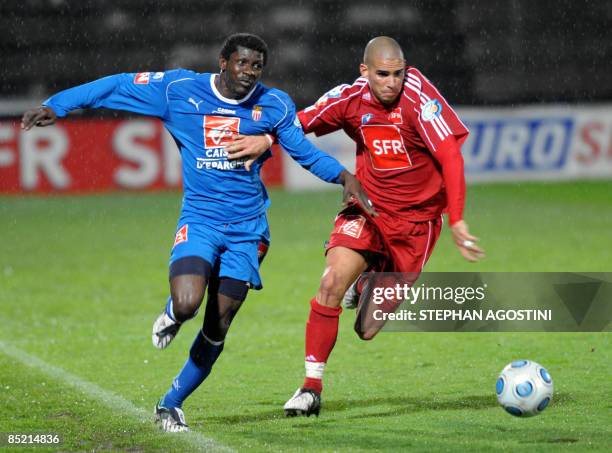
<point>321,333</point>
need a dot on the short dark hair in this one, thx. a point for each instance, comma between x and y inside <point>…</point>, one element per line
<point>246,40</point>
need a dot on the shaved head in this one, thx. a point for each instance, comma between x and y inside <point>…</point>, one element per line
<point>382,48</point>
<point>384,67</point>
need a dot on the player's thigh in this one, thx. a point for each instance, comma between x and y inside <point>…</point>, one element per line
<point>245,246</point>
<point>411,249</point>
<point>354,244</point>
<point>196,250</point>
<point>355,231</point>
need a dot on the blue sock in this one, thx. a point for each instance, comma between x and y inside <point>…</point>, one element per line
<point>169,310</point>
<point>202,356</point>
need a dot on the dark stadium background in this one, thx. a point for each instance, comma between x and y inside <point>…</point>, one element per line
<point>478,52</point>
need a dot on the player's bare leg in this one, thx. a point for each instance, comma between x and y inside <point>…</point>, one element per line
<point>343,266</point>
<point>225,297</point>
<point>188,280</point>
<point>187,292</point>
<point>351,297</point>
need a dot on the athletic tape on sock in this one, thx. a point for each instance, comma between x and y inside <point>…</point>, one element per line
<point>314,369</point>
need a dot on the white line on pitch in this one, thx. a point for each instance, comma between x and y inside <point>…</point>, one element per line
<point>108,398</point>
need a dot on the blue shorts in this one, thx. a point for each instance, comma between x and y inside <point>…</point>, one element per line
<point>232,248</point>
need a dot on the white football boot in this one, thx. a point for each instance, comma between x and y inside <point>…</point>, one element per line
<point>303,402</point>
<point>164,330</point>
<point>171,420</point>
<point>351,297</point>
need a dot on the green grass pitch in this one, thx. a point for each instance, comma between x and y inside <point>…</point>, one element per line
<point>82,279</point>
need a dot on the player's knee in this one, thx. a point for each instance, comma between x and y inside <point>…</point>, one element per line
<point>330,289</point>
<point>185,304</point>
<point>188,277</point>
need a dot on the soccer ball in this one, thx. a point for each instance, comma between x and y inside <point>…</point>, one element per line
<point>524,388</point>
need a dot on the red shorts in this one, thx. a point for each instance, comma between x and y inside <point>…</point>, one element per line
<point>401,245</point>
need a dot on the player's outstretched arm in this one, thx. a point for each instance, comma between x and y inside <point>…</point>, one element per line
<point>466,243</point>
<point>40,116</point>
<point>253,146</point>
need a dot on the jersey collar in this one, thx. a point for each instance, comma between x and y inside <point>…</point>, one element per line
<point>228,100</point>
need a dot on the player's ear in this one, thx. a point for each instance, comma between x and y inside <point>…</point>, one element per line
<point>222,64</point>
<point>363,69</point>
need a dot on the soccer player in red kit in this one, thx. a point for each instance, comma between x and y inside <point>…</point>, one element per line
<point>409,163</point>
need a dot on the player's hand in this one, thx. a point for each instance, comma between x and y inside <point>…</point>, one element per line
<point>466,243</point>
<point>250,146</point>
<point>352,188</point>
<point>40,116</point>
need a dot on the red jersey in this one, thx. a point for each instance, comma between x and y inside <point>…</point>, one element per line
<point>402,148</point>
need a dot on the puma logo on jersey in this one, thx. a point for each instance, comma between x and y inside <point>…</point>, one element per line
<point>195,104</point>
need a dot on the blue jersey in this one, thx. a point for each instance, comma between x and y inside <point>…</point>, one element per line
<point>202,122</point>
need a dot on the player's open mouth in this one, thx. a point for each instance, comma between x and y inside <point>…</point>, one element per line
<point>246,83</point>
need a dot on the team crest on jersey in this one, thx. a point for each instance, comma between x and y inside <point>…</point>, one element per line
<point>142,78</point>
<point>366,117</point>
<point>431,110</point>
<point>218,130</point>
<point>386,146</point>
<point>256,112</point>
<point>396,116</point>
<point>181,235</point>
<point>352,225</point>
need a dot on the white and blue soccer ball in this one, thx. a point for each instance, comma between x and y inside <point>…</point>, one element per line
<point>524,388</point>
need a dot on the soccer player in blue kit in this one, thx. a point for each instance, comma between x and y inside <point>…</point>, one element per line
<point>222,231</point>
